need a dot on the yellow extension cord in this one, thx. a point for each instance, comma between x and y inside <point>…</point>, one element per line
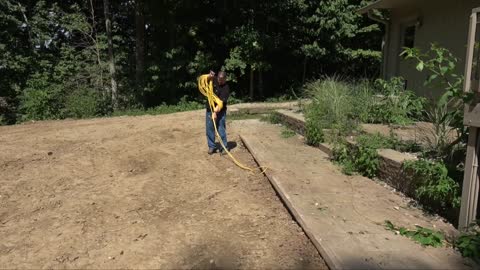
<point>206,88</point>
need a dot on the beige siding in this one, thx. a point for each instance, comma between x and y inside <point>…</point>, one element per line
<point>444,22</point>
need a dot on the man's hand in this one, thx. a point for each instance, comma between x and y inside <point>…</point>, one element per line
<point>211,74</point>
<point>214,115</point>
<point>216,109</point>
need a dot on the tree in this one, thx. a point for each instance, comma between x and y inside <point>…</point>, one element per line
<point>140,42</point>
<point>111,57</point>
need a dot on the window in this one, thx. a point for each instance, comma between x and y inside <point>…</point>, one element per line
<point>409,37</point>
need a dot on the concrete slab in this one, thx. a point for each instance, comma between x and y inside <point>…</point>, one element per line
<point>343,215</point>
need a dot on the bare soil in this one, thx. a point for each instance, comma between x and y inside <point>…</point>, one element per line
<point>138,192</point>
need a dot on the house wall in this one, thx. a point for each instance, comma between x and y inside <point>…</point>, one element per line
<point>444,22</point>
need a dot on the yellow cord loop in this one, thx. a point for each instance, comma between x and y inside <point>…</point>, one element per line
<point>206,88</point>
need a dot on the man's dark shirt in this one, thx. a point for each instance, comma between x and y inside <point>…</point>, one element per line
<point>222,92</point>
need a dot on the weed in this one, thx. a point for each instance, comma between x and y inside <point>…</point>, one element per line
<point>287,133</point>
<point>392,104</point>
<point>469,243</point>
<point>421,235</point>
<point>362,157</point>
<point>433,185</point>
<point>243,116</point>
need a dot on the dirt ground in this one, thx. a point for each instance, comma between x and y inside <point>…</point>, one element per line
<point>138,192</point>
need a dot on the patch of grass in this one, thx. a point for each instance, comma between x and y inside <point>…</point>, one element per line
<point>272,118</point>
<point>421,235</point>
<point>243,116</point>
<point>287,133</point>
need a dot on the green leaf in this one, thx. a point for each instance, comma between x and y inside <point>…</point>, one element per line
<point>420,66</point>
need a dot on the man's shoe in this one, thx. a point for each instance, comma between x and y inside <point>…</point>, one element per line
<point>211,151</point>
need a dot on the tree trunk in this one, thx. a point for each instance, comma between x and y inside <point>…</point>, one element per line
<point>252,72</point>
<point>260,83</point>
<point>140,43</point>
<point>111,57</point>
<point>94,38</point>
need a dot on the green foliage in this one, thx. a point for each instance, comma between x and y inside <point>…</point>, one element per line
<point>440,65</point>
<point>41,100</point>
<point>421,235</point>
<point>82,103</point>
<point>182,106</point>
<point>287,133</point>
<point>393,104</point>
<point>54,50</point>
<point>331,108</point>
<point>362,156</point>
<point>434,187</point>
<point>329,31</point>
<point>273,118</point>
<point>469,244</point>
<point>243,116</point>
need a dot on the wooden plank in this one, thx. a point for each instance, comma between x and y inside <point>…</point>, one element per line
<point>468,208</point>
<point>305,182</point>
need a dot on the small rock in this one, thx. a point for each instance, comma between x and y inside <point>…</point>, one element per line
<point>111,258</point>
<point>50,153</point>
<point>316,204</point>
<point>212,261</point>
<point>121,252</point>
<point>396,208</point>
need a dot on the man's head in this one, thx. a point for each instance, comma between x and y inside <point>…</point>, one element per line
<point>222,77</point>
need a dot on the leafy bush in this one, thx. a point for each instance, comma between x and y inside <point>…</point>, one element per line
<point>448,110</point>
<point>434,187</point>
<point>362,157</point>
<point>469,245</point>
<point>82,103</point>
<point>41,99</point>
<point>392,104</point>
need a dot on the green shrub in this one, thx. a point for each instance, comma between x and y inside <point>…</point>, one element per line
<point>82,103</point>
<point>469,245</point>
<point>392,104</point>
<point>41,100</point>
<point>362,157</point>
<point>434,187</point>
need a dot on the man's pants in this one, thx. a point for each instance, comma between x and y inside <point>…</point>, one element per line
<point>220,121</point>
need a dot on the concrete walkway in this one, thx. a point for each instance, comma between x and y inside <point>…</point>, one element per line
<point>343,216</point>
